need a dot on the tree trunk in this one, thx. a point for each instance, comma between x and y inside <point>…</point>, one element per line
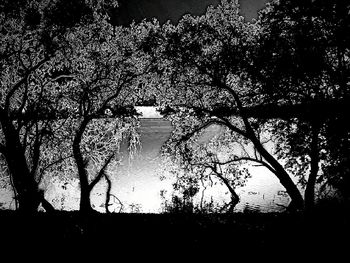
<point>314,156</point>
<point>85,203</point>
<point>295,195</point>
<point>28,195</point>
<point>27,190</point>
<point>108,194</point>
<point>234,196</point>
<point>297,201</point>
<point>46,205</point>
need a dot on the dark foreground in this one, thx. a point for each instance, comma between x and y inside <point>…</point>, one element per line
<point>242,235</point>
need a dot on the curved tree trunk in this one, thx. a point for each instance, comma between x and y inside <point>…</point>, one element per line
<point>85,186</point>
<point>108,194</point>
<point>297,202</point>
<point>234,196</point>
<point>284,178</point>
<point>85,203</point>
<point>279,171</point>
<point>28,193</point>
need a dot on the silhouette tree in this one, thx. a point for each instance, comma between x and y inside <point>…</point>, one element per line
<point>269,76</point>
<point>301,69</point>
<point>28,50</point>
<point>203,61</point>
<point>108,68</point>
<point>199,164</point>
<point>35,46</point>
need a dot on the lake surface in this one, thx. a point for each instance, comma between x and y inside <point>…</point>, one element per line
<point>137,184</point>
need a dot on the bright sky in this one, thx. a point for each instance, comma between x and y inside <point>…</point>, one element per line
<point>148,112</point>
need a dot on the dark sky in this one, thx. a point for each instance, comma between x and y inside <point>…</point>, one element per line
<point>164,10</point>
<point>249,8</point>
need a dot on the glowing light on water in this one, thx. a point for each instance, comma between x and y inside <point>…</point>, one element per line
<point>138,185</point>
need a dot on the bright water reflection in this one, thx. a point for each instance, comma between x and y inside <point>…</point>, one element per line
<point>141,184</point>
<point>137,184</point>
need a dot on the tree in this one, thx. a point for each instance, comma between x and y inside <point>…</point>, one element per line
<point>27,105</point>
<point>278,75</point>
<point>34,48</point>
<point>107,71</point>
<point>203,62</point>
<point>199,163</point>
<point>301,67</point>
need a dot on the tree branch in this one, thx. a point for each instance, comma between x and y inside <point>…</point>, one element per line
<point>108,193</point>
<point>52,164</point>
<point>120,202</point>
<point>101,172</point>
<point>22,81</point>
<point>224,180</point>
<point>198,129</point>
<point>240,159</point>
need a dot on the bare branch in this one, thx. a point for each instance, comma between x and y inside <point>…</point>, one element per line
<point>229,125</point>
<point>64,76</point>
<point>198,129</point>
<point>101,172</point>
<point>240,159</point>
<point>120,202</point>
<point>224,180</point>
<point>52,164</point>
<point>24,99</point>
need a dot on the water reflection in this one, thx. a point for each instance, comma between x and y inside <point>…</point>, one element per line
<point>136,185</point>
<point>263,191</point>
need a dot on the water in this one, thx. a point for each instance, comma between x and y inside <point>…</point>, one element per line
<point>137,184</point>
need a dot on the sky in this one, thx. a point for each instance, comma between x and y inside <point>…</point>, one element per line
<point>173,10</point>
<point>249,8</point>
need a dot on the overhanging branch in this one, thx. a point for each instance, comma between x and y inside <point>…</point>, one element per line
<point>240,159</point>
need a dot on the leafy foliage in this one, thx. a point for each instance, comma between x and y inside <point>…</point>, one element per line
<point>204,67</point>
<point>44,60</point>
<point>241,75</point>
<point>303,57</point>
<point>30,50</point>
